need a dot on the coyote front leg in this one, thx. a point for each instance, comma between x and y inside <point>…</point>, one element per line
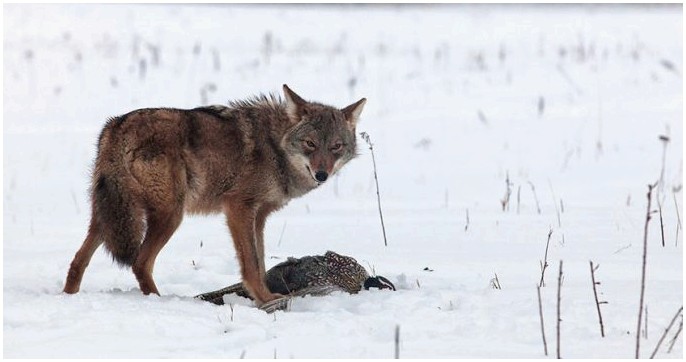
<point>241,219</point>
<point>260,221</point>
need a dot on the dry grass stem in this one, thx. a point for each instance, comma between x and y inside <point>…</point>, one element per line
<point>397,341</point>
<point>678,218</point>
<point>283,228</point>
<point>466,226</point>
<point>557,210</point>
<point>643,270</point>
<point>559,299</point>
<point>366,138</point>
<point>657,347</point>
<point>540,314</point>
<point>533,190</point>
<point>544,264</point>
<point>505,202</point>
<point>676,335</point>
<point>597,302</point>
<point>662,225</point>
<point>495,282</point>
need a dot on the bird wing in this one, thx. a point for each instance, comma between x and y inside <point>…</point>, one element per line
<point>217,296</point>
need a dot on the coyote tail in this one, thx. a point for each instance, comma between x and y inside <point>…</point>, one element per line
<point>119,223</point>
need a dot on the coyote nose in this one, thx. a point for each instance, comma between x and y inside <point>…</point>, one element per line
<point>321,176</point>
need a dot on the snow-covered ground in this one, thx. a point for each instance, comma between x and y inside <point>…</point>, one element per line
<point>564,103</point>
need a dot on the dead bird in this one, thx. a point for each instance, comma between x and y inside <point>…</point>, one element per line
<point>309,275</point>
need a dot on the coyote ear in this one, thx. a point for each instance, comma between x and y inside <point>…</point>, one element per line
<point>352,112</point>
<point>294,104</point>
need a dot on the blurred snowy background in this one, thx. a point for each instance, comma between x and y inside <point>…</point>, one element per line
<point>492,126</point>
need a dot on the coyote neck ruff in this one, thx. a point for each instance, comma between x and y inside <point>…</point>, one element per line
<point>245,160</point>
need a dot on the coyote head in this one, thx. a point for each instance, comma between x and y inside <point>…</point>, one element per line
<point>321,138</point>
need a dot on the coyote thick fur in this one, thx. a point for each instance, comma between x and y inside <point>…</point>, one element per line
<point>246,160</point>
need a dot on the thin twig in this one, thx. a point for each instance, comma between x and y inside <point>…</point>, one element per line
<point>283,228</point>
<point>540,314</point>
<point>676,237</point>
<point>676,206</point>
<point>569,79</point>
<point>643,270</point>
<point>666,331</point>
<point>366,138</point>
<point>505,202</point>
<point>662,225</point>
<point>676,335</point>
<point>622,249</point>
<point>467,224</point>
<point>495,283</point>
<point>544,265</point>
<point>645,322</point>
<point>661,181</point>
<point>597,303</point>
<point>559,297</point>
<point>678,219</point>
<point>397,341</point>
<point>533,189</point>
<point>519,190</point>
<point>557,210</point>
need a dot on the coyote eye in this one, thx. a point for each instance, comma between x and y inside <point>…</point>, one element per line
<point>337,147</point>
<point>310,144</point>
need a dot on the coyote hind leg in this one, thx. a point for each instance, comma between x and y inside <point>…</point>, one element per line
<point>161,226</point>
<point>82,259</point>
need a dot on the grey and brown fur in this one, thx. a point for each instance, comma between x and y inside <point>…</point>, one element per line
<point>246,160</point>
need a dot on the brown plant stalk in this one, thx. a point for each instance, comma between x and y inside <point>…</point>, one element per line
<point>597,302</point>
<point>643,270</point>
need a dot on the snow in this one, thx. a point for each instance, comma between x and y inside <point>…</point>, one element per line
<point>453,111</point>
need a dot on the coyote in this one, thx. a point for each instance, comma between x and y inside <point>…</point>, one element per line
<point>246,160</point>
